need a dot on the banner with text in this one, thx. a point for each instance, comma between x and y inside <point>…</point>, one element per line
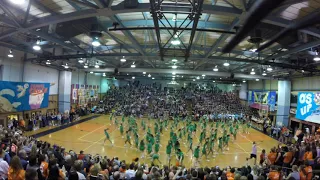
<point>23,96</point>
<point>308,106</point>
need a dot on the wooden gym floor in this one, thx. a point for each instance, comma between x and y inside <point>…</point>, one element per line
<point>89,136</point>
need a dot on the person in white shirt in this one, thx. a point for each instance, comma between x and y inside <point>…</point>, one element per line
<point>3,166</point>
<point>130,173</point>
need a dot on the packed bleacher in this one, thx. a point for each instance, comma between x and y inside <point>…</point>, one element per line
<point>24,157</point>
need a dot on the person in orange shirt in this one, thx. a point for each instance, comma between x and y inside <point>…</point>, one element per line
<point>288,156</point>
<point>308,154</point>
<point>16,171</point>
<point>305,171</point>
<point>274,174</point>
<point>43,166</point>
<point>230,174</point>
<point>262,157</point>
<point>272,156</point>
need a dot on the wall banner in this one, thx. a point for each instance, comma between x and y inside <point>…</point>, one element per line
<point>308,106</point>
<point>265,100</point>
<point>23,96</point>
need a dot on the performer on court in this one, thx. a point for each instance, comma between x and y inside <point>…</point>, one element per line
<point>142,148</point>
<point>121,130</point>
<point>128,138</point>
<point>180,157</point>
<point>204,149</point>
<point>196,154</point>
<point>107,136</point>
<point>253,153</point>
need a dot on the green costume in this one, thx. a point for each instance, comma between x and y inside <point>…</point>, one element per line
<point>168,149</point>
<point>121,129</point>
<point>107,134</point>
<point>196,153</point>
<point>156,147</point>
<point>149,148</point>
<point>142,146</point>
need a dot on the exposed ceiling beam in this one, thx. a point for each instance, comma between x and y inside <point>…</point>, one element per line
<point>156,27</point>
<point>295,50</point>
<point>22,49</point>
<point>5,7</point>
<point>285,23</point>
<point>85,3</point>
<point>194,27</point>
<point>44,8</point>
<point>155,56</point>
<point>129,35</point>
<point>110,11</point>
<point>181,72</point>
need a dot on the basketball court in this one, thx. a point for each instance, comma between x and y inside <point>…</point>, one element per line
<point>89,136</point>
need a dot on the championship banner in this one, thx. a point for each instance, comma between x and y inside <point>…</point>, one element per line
<point>265,100</point>
<point>308,106</point>
<point>23,96</point>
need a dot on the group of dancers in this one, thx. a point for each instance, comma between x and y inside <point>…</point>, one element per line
<point>221,131</point>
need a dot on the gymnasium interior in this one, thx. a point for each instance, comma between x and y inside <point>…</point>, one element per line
<point>159,89</point>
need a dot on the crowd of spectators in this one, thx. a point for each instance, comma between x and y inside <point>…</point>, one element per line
<point>25,158</point>
<point>156,102</point>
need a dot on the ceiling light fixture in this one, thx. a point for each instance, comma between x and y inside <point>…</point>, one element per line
<point>48,62</point>
<point>257,79</point>
<point>133,77</point>
<point>95,43</point>
<point>269,68</point>
<point>174,18</point>
<point>153,78</point>
<point>173,73</point>
<point>10,55</point>
<point>37,47</point>
<point>174,60</point>
<point>174,67</point>
<point>198,77</point>
<point>253,50</point>
<point>317,58</point>
<point>96,66</point>
<point>133,65</point>
<point>149,75</point>
<point>143,72</point>
<point>91,72</point>
<point>244,81</point>
<point>193,80</point>
<point>18,2</point>
<point>226,64</point>
<point>104,74</point>
<point>203,75</point>
<point>175,42</point>
<point>213,81</point>
<point>80,60</point>
<point>252,72</point>
<point>85,66</point>
<point>66,66</point>
<point>123,59</point>
<point>215,68</point>
<point>264,73</point>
